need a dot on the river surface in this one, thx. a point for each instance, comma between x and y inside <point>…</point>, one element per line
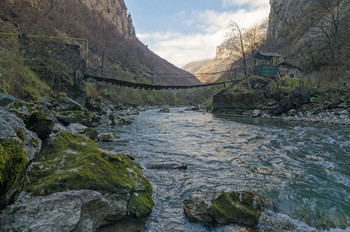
<point>303,168</point>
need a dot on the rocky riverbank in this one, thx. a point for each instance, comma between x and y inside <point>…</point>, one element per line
<point>331,105</point>
<point>53,176</point>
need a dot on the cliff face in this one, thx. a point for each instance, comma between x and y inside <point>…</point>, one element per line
<point>107,26</point>
<point>311,34</point>
<point>114,12</point>
<point>283,13</point>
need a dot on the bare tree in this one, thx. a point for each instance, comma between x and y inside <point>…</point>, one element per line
<point>333,31</point>
<point>246,43</point>
<point>236,33</point>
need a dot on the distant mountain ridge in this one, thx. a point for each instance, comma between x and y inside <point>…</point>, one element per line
<point>195,66</point>
<point>225,59</point>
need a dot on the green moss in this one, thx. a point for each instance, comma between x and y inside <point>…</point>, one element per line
<point>23,109</point>
<point>92,133</point>
<point>13,160</point>
<point>20,134</point>
<point>18,79</point>
<point>141,204</point>
<point>35,143</point>
<point>227,209</point>
<point>74,162</point>
<point>83,116</point>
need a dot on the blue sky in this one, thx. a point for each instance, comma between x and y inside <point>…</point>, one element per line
<point>182,31</point>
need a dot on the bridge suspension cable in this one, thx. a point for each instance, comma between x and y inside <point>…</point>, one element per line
<point>148,86</point>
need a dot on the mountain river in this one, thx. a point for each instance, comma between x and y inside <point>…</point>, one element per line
<point>303,168</point>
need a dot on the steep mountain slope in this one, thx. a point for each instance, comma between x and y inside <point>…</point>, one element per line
<point>107,26</point>
<point>223,61</point>
<point>194,66</point>
<point>311,34</point>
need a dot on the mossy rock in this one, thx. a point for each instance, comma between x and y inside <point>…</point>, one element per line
<point>226,207</point>
<point>108,137</point>
<point>13,164</point>
<point>22,109</point>
<point>84,117</point>
<point>75,162</point>
<point>38,118</point>
<point>92,133</point>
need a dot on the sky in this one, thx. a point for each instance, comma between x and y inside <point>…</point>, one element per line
<point>182,31</point>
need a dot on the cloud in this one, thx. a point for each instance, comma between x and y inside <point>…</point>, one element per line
<point>212,27</point>
<point>181,49</point>
<point>249,3</point>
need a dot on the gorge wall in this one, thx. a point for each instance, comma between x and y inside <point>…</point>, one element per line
<point>311,34</point>
<point>108,27</point>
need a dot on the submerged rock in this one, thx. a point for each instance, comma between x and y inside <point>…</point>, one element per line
<point>167,166</point>
<point>123,121</point>
<point>107,137</point>
<point>164,110</point>
<point>226,207</point>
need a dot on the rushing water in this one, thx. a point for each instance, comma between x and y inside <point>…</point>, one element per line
<point>303,168</point>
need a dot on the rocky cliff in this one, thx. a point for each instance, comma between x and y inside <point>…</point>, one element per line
<point>115,12</point>
<point>283,14</point>
<point>211,70</point>
<point>312,34</point>
<point>107,26</point>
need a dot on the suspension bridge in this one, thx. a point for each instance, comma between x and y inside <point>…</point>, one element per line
<point>134,85</point>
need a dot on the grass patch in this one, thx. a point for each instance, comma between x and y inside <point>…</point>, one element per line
<point>19,80</point>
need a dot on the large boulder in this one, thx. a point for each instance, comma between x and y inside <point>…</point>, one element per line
<point>226,207</point>
<point>68,111</point>
<point>164,110</point>
<point>77,128</point>
<point>18,147</point>
<point>82,210</point>
<point>116,119</point>
<point>37,117</point>
<point>5,99</point>
<point>73,162</point>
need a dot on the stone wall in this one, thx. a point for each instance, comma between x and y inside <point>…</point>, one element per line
<point>68,54</point>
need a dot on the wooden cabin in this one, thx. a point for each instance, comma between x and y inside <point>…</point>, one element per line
<point>287,69</point>
<point>265,64</point>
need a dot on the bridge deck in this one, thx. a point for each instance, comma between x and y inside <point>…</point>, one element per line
<point>147,86</point>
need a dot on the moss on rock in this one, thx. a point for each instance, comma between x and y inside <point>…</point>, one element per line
<point>92,133</point>
<point>75,162</point>
<point>226,207</point>
<point>13,162</point>
<point>20,134</point>
<point>141,204</point>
